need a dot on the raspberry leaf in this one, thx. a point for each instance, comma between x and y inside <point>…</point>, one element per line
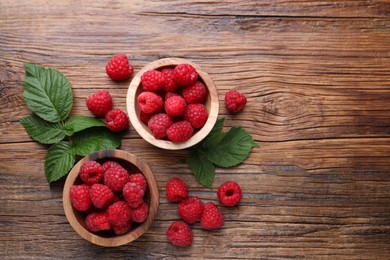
<point>78,123</point>
<point>217,128</point>
<point>47,93</point>
<point>59,160</point>
<point>201,167</point>
<point>41,130</point>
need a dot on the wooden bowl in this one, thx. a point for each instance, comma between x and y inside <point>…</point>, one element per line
<point>135,88</point>
<point>131,163</point>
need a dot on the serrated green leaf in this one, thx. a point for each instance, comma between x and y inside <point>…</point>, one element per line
<point>201,167</point>
<point>41,130</point>
<point>59,161</point>
<point>47,93</point>
<point>78,123</point>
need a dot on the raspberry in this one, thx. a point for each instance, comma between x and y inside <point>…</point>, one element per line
<point>133,194</point>
<point>176,190</point>
<point>122,229</point>
<point>140,213</point>
<point>91,172</point>
<point>170,94</point>
<point>179,234</point>
<point>196,93</point>
<point>211,217</point>
<point>153,80</point>
<point>229,193</point>
<point>79,197</point>
<point>99,103</point>
<point>175,105</point>
<point>118,68</point>
<point>185,75</point>
<point>150,102</point>
<point>117,120</point>
<point>190,209</point>
<point>170,85</point>
<point>139,179</point>
<point>101,195</point>
<point>97,221</point>
<point>159,124</point>
<point>119,213</point>
<point>144,117</point>
<point>196,114</point>
<point>180,131</point>
<point>116,177</point>
<point>234,101</point>
<point>108,164</point>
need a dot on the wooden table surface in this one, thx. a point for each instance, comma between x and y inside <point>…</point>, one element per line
<point>317,78</point>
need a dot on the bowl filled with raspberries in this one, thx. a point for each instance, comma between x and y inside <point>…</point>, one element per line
<point>110,197</point>
<point>172,103</point>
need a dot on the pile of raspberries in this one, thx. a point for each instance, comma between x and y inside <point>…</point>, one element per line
<point>111,198</point>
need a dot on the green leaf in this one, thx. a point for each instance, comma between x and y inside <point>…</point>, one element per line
<point>201,167</point>
<point>47,93</point>
<point>78,123</point>
<point>217,128</point>
<point>41,130</point>
<point>59,161</point>
<point>95,139</point>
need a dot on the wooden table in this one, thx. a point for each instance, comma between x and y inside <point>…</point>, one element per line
<point>317,78</point>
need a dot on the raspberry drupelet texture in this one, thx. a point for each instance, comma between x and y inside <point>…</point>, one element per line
<point>235,101</point>
<point>119,213</point>
<point>101,195</point>
<point>108,164</point>
<point>153,80</point>
<point>97,221</point>
<point>116,177</point>
<point>196,93</point>
<point>176,190</point>
<point>229,193</point>
<point>211,217</point>
<point>190,209</point>
<point>122,229</point>
<point>159,124</point>
<point>118,68</point>
<point>79,197</point>
<point>139,179</point>
<point>171,85</point>
<point>180,131</point>
<point>185,75</point>
<point>196,114</point>
<point>150,102</point>
<point>117,120</point>
<point>179,234</point>
<point>175,106</point>
<point>91,172</point>
<point>144,117</point>
<point>99,103</point>
<point>133,194</point>
<point>140,213</point>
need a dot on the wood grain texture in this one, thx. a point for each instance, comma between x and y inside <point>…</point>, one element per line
<point>317,78</point>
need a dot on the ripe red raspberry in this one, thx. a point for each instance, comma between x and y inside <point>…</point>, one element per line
<point>170,94</point>
<point>176,190</point>
<point>101,195</point>
<point>119,213</point>
<point>118,68</point>
<point>190,209</point>
<point>170,85</point>
<point>139,179</point>
<point>180,131</point>
<point>196,93</point>
<point>144,117</point>
<point>175,106</point>
<point>99,103</point>
<point>97,221</point>
<point>133,194</point>
<point>91,172</point>
<point>179,234</point>
<point>211,218</point>
<point>159,124</point>
<point>122,229</point>
<point>108,164</point>
<point>234,101</point>
<point>149,102</point>
<point>140,213</point>
<point>153,80</point>
<point>185,75</point>
<point>117,120</point>
<point>229,193</point>
<point>115,178</point>
<point>79,197</point>
<point>196,114</point>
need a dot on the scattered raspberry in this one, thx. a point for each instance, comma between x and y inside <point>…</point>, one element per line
<point>119,213</point>
<point>118,68</point>
<point>116,177</point>
<point>229,193</point>
<point>153,80</point>
<point>175,106</point>
<point>234,101</point>
<point>159,124</point>
<point>117,120</point>
<point>139,179</point>
<point>99,103</point>
<point>190,209</point>
<point>133,194</point>
<point>79,197</point>
<point>180,131</point>
<point>101,195</point>
<point>196,93</point>
<point>176,190</point>
<point>144,117</point>
<point>122,229</point>
<point>211,218</point>
<point>196,114</point>
<point>170,85</point>
<point>108,164</point>
<point>179,234</point>
<point>97,221</point>
<point>140,213</point>
<point>185,75</point>
<point>91,172</point>
<point>150,102</point>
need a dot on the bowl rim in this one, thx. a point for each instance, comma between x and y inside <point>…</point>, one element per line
<point>144,131</point>
<point>152,189</point>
